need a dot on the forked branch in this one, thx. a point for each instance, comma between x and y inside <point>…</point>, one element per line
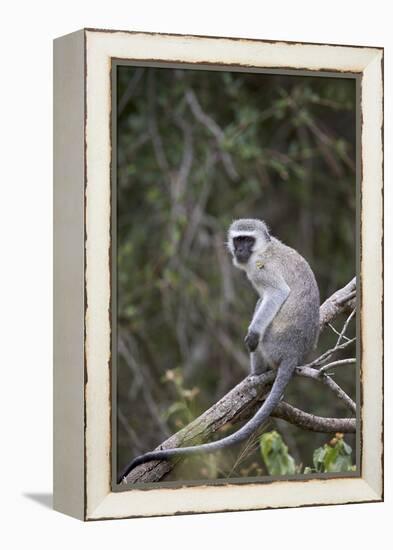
<point>241,401</point>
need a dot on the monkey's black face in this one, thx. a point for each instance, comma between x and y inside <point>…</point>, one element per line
<point>242,247</point>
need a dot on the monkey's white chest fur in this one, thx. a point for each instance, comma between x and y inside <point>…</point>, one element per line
<point>257,275</point>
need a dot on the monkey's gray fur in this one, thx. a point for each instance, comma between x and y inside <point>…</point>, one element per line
<point>283,330</point>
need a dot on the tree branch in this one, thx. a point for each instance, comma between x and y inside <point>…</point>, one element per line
<point>322,358</point>
<point>243,398</point>
<point>307,372</point>
<point>214,129</point>
<point>314,423</point>
<point>339,302</point>
<point>228,409</point>
<point>334,364</point>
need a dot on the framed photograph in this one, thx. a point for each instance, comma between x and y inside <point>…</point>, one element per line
<point>218,266</point>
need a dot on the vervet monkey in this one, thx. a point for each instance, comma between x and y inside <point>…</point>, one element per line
<point>283,330</point>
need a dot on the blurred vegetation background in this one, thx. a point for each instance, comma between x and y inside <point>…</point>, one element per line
<point>197,149</point>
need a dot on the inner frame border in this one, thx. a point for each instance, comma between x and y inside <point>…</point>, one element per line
<point>214,67</point>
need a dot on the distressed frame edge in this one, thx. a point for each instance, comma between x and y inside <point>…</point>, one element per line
<point>234,38</point>
<point>376,490</point>
<point>372,231</point>
<point>361,491</point>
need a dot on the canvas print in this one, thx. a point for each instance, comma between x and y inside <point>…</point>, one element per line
<point>235,354</point>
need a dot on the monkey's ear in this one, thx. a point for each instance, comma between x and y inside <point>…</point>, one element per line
<point>266,231</point>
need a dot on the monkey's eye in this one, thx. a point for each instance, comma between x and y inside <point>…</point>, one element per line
<point>244,239</point>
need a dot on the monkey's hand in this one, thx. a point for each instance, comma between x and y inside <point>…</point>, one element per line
<point>251,340</point>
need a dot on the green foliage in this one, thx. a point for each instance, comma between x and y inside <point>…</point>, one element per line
<point>275,454</point>
<point>336,456</point>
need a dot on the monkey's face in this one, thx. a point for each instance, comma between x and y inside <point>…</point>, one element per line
<point>242,247</point>
<point>247,241</point>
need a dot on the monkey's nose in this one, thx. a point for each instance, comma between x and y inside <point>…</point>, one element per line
<point>242,256</point>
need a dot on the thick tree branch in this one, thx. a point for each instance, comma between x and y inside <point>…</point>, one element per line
<point>314,423</point>
<point>339,302</point>
<point>241,400</point>
<point>228,409</point>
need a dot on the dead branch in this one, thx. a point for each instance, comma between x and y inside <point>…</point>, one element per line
<point>341,301</point>
<point>331,384</point>
<point>322,358</point>
<point>334,364</point>
<point>241,400</point>
<point>314,423</point>
<point>228,409</point>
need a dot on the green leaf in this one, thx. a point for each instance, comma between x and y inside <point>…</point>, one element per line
<point>275,454</point>
<point>346,448</point>
<point>333,458</point>
<point>318,458</point>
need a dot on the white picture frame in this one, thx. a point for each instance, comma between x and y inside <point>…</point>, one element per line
<point>82,334</point>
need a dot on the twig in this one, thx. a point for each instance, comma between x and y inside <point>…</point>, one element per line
<point>336,364</point>
<point>336,332</point>
<point>331,384</point>
<point>214,129</point>
<point>249,447</point>
<point>344,329</point>
<point>320,360</point>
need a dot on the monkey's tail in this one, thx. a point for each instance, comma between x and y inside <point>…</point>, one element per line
<point>284,374</point>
